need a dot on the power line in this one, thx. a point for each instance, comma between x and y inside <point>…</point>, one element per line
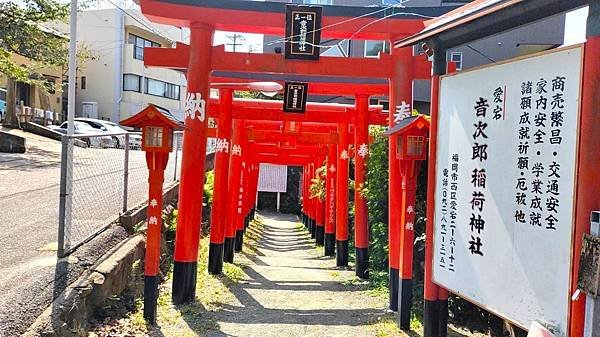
<point>233,38</point>
<point>150,28</point>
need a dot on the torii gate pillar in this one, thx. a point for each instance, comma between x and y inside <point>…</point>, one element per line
<point>341,219</point>
<point>361,150</point>
<point>330,200</point>
<point>234,238</point>
<point>187,235</point>
<point>400,96</point>
<point>218,219</point>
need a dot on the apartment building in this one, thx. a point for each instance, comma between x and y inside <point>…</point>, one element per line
<point>115,84</point>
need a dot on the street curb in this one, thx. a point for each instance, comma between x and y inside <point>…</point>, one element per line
<point>69,313</point>
<point>131,218</point>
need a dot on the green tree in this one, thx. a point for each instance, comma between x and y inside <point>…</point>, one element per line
<point>22,33</point>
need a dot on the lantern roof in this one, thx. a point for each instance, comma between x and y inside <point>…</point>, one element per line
<point>412,123</point>
<point>153,115</point>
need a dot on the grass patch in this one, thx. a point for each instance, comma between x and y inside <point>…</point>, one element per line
<point>124,315</point>
<point>386,326</point>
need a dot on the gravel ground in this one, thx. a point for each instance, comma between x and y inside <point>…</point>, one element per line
<point>293,291</point>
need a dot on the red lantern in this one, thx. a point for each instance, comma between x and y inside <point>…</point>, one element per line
<point>157,141</point>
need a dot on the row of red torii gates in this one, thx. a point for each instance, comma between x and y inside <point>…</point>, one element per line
<point>250,132</point>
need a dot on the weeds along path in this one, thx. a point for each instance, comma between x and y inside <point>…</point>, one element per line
<point>279,286</point>
<point>290,289</point>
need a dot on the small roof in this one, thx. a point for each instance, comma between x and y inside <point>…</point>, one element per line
<point>419,121</point>
<point>151,113</point>
<point>482,18</point>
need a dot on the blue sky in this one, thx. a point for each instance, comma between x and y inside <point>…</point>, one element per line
<point>575,26</point>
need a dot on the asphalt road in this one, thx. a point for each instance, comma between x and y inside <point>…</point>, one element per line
<point>29,199</point>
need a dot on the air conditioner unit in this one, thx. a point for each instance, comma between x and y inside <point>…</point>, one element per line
<point>89,110</point>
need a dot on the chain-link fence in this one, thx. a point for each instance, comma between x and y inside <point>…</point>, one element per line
<point>107,177</point>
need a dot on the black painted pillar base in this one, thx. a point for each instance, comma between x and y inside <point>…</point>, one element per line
<point>442,318</point>
<point>341,253</point>
<point>228,250</point>
<point>313,228</point>
<point>329,244</point>
<point>430,319</point>
<point>247,221</point>
<point>184,282</point>
<point>253,212</point>
<point>393,276</point>
<point>362,263</point>
<point>215,258</point>
<point>239,240</point>
<point>150,297</point>
<point>320,235</point>
<point>405,303</point>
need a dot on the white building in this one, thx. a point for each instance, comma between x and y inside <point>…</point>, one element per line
<point>115,84</point>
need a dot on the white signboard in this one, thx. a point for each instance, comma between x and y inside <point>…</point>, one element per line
<point>272,178</point>
<point>505,181</point>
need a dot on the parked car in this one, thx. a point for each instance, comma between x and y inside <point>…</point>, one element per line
<point>135,140</point>
<point>95,139</point>
<point>2,104</point>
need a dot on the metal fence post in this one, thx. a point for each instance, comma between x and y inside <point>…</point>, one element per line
<point>126,173</point>
<point>177,135</point>
<point>65,197</point>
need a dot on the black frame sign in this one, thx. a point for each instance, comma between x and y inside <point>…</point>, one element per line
<point>303,32</point>
<point>294,97</point>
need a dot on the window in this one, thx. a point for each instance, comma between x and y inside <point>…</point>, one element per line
<point>132,82</point>
<point>383,102</point>
<point>83,82</point>
<point>319,2</point>
<point>457,57</point>
<point>138,45</point>
<point>154,136</point>
<point>373,48</point>
<point>50,84</point>
<point>162,89</point>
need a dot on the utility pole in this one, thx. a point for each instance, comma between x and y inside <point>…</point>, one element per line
<point>234,38</point>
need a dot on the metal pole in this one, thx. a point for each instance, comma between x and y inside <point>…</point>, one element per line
<point>177,135</point>
<point>72,67</point>
<point>66,175</point>
<point>62,197</point>
<point>278,201</point>
<point>126,173</point>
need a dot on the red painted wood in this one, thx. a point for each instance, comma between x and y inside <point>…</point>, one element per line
<point>235,178</point>
<point>330,201</point>
<point>361,138</point>
<point>156,162</point>
<point>274,23</point>
<point>430,288</point>
<point>341,231</point>
<point>218,219</point>
<point>588,170</point>
<point>187,236</point>
<point>401,89</point>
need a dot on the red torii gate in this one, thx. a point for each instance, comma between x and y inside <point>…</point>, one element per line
<point>200,58</point>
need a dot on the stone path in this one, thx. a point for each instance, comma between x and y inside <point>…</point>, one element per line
<point>291,290</point>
